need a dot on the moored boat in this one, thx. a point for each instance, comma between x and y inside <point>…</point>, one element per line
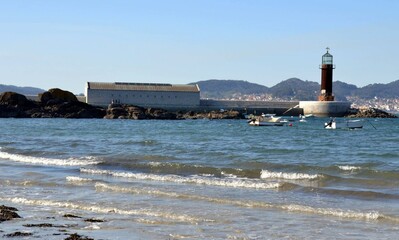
<point>349,124</point>
<point>266,120</point>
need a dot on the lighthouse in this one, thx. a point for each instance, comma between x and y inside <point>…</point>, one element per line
<point>326,106</point>
<point>326,67</point>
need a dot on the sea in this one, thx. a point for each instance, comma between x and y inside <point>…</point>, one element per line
<point>199,179</point>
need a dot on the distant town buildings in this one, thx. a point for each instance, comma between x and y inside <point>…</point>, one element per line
<point>389,105</point>
<point>386,104</point>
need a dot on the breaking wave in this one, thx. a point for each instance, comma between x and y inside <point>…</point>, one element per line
<point>194,179</point>
<point>349,214</point>
<point>104,210</point>
<point>49,161</point>
<point>291,176</point>
<point>348,168</point>
<point>78,179</point>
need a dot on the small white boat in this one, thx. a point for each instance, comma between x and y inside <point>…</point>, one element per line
<point>302,118</point>
<point>266,120</point>
<point>350,124</point>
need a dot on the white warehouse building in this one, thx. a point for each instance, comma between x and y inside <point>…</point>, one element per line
<point>149,95</point>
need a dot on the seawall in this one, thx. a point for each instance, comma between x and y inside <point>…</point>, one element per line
<point>287,108</point>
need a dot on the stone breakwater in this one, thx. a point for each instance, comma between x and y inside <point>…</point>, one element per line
<point>122,111</point>
<point>57,103</point>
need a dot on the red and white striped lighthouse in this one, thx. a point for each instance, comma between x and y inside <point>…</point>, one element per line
<point>326,67</point>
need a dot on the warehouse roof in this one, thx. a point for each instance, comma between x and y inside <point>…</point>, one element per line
<point>142,86</point>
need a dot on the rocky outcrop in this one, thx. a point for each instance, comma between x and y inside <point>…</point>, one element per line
<point>8,213</point>
<point>76,236</point>
<point>14,99</point>
<point>18,234</point>
<point>227,114</point>
<point>370,113</point>
<point>55,103</point>
<point>124,111</point>
<point>57,95</point>
<point>15,105</point>
<point>68,110</point>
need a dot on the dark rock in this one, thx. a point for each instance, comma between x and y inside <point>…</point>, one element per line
<point>122,111</point>
<point>53,102</point>
<point>63,95</point>
<point>45,97</point>
<point>56,96</point>
<point>93,220</point>
<point>41,225</point>
<point>75,236</point>
<point>71,216</point>
<point>370,113</point>
<point>14,105</point>
<point>3,207</point>
<point>16,99</point>
<point>19,234</point>
<point>70,110</point>
<point>8,213</point>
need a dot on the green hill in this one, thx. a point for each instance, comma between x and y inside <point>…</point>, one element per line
<point>222,89</point>
<point>390,90</point>
<point>294,89</point>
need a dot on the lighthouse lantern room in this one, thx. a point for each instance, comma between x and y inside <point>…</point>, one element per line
<point>326,67</point>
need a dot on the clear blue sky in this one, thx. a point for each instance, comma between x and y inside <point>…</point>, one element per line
<point>65,43</point>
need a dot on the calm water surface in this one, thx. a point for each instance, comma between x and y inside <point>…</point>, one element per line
<point>201,179</point>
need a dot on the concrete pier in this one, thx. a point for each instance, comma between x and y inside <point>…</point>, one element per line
<point>325,108</point>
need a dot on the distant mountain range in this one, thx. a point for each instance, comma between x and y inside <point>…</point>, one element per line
<point>21,90</point>
<point>290,89</point>
<point>294,89</point>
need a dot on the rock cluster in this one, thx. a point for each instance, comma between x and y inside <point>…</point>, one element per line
<point>8,213</point>
<point>122,111</point>
<point>55,103</point>
<point>370,113</point>
<point>227,114</point>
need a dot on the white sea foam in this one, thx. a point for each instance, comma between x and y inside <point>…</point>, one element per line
<point>49,161</point>
<point>159,193</point>
<point>229,175</point>
<point>103,209</point>
<point>200,180</point>
<point>372,215</point>
<point>291,176</point>
<point>16,183</point>
<point>93,226</point>
<point>78,179</point>
<point>155,164</point>
<point>348,168</point>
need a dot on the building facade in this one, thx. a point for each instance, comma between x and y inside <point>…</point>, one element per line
<point>149,95</point>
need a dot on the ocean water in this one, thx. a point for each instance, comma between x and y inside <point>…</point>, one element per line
<point>200,179</point>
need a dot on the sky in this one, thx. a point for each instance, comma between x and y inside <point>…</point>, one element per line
<point>66,43</point>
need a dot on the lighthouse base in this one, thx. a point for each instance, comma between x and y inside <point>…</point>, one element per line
<point>325,108</point>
